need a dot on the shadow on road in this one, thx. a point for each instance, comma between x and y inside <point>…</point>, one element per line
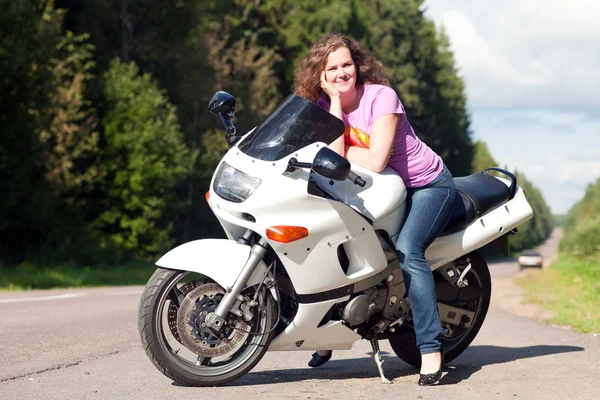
<point>476,357</point>
<point>458,370</point>
<point>355,368</point>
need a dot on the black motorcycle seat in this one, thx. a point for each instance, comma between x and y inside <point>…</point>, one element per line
<point>477,195</point>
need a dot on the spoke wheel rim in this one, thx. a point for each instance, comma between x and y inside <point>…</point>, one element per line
<point>449,342</point>
<point>237,359</point>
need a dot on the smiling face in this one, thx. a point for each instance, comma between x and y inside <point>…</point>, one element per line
<point>340,70</point>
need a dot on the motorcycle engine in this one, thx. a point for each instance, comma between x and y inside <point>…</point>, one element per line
<point>363,306</point>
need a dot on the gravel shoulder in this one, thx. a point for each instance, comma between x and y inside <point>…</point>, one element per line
<point>508,297</point>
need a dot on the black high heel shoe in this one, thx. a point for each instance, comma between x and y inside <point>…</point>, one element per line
<point>430,379</point>
<point>317,360</point>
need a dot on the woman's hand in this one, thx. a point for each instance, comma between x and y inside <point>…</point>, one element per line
<point>335,109</point>
<point>328,88</point>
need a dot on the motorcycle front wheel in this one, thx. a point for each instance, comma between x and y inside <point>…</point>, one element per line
<point>172,329</point>
<point>455,339</point>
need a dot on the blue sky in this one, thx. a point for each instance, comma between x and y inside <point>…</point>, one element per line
<point>532,75</point>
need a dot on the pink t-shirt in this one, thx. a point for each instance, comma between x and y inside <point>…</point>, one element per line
<point>414,161</point>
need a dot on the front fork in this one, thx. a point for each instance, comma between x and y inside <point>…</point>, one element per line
<point>216,319</point>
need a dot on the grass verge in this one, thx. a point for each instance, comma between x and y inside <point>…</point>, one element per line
<point>571,289</point>
<point>26,277</point>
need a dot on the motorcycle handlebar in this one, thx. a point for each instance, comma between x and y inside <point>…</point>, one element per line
<point>356,179</point>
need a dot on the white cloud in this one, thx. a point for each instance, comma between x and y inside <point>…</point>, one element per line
<point>560,179</point>
<point>532,54</point>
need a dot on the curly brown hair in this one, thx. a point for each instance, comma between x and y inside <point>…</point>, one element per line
<point>307,79</point>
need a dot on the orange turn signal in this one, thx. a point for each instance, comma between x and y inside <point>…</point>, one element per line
<point>207,196</point>
<point>286,234</point>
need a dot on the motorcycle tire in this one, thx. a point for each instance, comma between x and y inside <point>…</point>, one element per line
<point>164,353</point>
<point>404,344</point>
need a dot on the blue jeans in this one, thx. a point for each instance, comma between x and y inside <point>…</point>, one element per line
<point>428,210</point>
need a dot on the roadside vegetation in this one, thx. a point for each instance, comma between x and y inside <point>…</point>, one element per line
<point>27,276</point>
<point>570,289</point>
<point>571,286</point>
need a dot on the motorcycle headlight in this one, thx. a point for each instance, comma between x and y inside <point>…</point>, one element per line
<point>234,185</point>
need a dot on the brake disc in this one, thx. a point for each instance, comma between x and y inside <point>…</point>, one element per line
<point>172,311</point>
<point>191,323</point>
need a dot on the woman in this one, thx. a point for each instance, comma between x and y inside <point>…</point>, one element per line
<point>344,78</point>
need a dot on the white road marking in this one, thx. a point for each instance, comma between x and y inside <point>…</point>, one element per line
<point>55,297</point>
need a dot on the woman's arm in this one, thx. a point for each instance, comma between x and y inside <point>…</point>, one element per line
<point>382,136</point>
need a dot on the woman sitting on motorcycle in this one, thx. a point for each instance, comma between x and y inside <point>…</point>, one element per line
<point>344,78</point>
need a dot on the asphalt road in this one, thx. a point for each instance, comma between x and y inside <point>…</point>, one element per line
<point>83,344</point>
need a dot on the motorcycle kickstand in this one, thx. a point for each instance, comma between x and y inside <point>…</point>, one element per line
<point>378,360</point>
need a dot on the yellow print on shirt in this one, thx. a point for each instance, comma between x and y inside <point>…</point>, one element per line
<point>356,137</point>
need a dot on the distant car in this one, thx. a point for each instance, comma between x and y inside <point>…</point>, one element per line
<point>529,258</point>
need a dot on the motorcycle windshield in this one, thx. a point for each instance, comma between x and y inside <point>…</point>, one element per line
<point>295,124</point>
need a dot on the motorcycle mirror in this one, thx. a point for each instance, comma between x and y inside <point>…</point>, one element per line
<point>222,103</point>
<point>331,165</point>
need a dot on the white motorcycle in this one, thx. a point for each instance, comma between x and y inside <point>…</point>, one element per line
<point>309,260</point>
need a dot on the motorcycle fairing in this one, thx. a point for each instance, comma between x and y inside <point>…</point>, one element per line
<point>311,262</point>
<point>304,332</point>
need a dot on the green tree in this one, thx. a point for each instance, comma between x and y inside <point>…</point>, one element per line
<point>163,38</point>
<point>482,159</point>
<point>539,227</point>
<point>582,228</point>
<point>70,139</point>
<point>144,159</point>
<point>242,53</point>
<point>180,43</point>
<point>30,32</point>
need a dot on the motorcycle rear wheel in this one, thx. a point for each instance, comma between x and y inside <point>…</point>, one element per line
<point>404,344</point>
<point>166,348</point>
